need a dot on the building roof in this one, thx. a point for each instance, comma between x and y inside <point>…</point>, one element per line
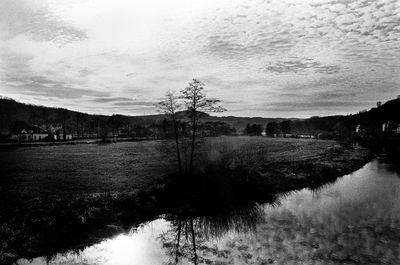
<point>36,129</point>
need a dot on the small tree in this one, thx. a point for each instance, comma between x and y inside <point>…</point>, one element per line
<point>170,106</point>
<point>63,116</point>
<point>96,124</point>
<point>46,117</point>
<point>247,130</point>
<point>78,121</point>
<point>196,101</point>
<point>285,126</point>
<point>116,122</point>
<point>254,129</point>
<point>272,128</point>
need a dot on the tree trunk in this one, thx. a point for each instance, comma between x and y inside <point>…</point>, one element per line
<point>178,153</point>
<point>177,242</point>
<point>77,128</point>
<point>64,132</point>
<point>193,140</point>
<point>193,242</point>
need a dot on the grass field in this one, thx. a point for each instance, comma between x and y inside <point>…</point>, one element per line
<point>123,166</point>
<point>54,198</point>
<point>76,169</point>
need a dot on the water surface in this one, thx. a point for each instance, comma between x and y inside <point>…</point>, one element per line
<point>355,220</point>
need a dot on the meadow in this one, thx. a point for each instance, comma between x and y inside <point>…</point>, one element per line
<point>66,170</point>
<point>85,193</point>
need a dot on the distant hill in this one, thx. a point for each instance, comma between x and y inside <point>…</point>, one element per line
<point>239,123</point>
<point>12,111</point>
<point>375,117</point>
<point>370,120</point>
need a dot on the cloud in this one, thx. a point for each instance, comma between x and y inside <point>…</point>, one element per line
<point>136,103</point>
<point>300,66</point>
<point>34,19</point>
<point>131,75</point>
<point>293,66</point>
<point>84,72</point>
<point>110,99</point>
<point>49,88</point>
<point>304,107</point>
<point>19,76</point>
<point>327,69</point>
<point>314,105</point>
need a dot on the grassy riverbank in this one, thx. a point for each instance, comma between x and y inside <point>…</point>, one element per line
<point>74,197</point>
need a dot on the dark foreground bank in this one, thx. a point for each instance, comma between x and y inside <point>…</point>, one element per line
<point>36,229</point>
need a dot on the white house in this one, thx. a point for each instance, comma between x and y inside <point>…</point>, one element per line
<point>386,126</point>
<point>60,136</point>
<point>33,134</point>
<point>390,127</point>
<point>39,136</point>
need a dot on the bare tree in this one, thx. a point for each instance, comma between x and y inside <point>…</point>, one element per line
<point>96,123</point>
<point>196,101</point>
<point>63,116</point>
<point>117,122</point>
<point>170,106</point>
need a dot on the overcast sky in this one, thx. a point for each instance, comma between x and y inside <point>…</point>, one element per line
<point>293,58</point>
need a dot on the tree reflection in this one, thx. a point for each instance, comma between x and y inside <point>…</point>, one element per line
<point>189,235</point>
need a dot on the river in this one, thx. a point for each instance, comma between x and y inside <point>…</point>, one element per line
<point>355,220</point>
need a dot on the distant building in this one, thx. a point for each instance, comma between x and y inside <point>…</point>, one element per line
<point>386,126</point>
<point>57,133</point>
<point>39,136</point>
<point>306,136</point>
<point>24,135</point>
<point>390,127</point>
<point>60,136</point>
<point>34,133</point>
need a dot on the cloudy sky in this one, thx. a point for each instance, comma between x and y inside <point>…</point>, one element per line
<point>286,58</point>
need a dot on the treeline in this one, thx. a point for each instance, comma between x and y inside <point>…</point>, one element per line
<point>335,127</point>
<point>364,124</point>
<point>253,129</point>
<point>272,129</point>
<point>15,116</point>
<point>368,121</point>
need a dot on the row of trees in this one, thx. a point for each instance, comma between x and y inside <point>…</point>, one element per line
<point>83,125</point>
<point>79,124</point>
<point>271,129</point>
<point>274,128</point>
<point>253,129</point>
<point>181,122</point>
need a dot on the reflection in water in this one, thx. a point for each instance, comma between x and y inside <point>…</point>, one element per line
<point>183,227</point>
<point>197,232</point>
<point>354,221</point>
